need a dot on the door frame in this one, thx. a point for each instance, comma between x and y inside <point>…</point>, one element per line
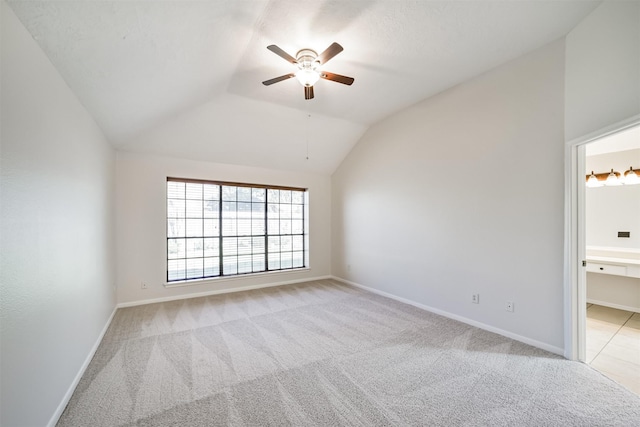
<point>575,276</point>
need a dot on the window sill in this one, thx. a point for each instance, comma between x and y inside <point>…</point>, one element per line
<point>226,279</point>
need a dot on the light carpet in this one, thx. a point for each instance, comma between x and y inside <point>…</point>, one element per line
<point>326,354</point>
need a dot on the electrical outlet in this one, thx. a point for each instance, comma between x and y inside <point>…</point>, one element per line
<point>475,298</point>
<point>509,306</point>
<point>348,267</point>
<point>143,285</point>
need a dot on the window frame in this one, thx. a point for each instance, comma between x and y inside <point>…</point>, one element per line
<point>266,236</point>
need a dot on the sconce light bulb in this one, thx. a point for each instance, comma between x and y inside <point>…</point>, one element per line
<point>631,177</point>
<point>593,181</point>
<point>612,179</point>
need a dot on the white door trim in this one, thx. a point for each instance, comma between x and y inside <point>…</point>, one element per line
<point>575,292</point>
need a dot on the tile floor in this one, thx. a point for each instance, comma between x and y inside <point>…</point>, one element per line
<point>613,344</point>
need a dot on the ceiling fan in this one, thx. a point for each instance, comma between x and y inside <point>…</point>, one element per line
<point>309,62</point>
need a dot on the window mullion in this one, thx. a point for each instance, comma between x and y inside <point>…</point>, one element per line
<point>304,237</point>
<point>220,263</point>
<point>266,230</point>
<point>184,237</point>
<point>202,231</point>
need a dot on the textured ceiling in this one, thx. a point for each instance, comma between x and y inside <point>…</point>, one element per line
<point>183,78</point>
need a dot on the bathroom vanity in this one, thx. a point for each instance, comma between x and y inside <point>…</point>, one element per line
<point>613,277</point>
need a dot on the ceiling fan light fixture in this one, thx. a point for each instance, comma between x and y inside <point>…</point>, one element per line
<point>307,78</point>
<point>309,63</point>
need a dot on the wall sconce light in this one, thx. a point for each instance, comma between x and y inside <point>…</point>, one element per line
<point>612,178</point>
<point>631,177</point>
<point>592,181</point>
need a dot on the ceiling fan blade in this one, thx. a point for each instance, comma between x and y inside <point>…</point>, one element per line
<point>278,79</point>
<point>337,78</point>
<point>275,49</point>
<point>329,53</point>
<point>308,92</point>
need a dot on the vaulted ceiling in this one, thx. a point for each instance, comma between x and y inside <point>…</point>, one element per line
<point>183,78</point>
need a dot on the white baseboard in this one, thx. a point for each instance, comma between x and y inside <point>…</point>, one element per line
<point>65,400</point>
<point>218,291</point>
<point>535,343</point>
<point>612,305</point>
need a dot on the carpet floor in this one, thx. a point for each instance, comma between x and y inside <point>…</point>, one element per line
<point>326,354</point>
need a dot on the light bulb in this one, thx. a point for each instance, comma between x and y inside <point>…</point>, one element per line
<point>631,177</point>
<point>612,179</point>
<point>593,181</point>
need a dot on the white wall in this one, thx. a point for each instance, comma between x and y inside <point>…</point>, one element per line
<point>603,68</point>
<point>614,291</point>
<point>612,209</point>
<point>56,256</point>
<point>461,194</point>
<point>141,223</point>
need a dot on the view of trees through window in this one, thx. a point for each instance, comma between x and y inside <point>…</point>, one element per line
<point>222,229</point>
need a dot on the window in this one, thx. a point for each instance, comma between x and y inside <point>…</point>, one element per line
<point>224,229</point>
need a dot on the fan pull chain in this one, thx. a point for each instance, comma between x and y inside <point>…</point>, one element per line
<point>309,119</point>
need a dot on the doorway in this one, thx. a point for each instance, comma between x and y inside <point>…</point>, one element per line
<point>612,253</point>
<point>575,294</point>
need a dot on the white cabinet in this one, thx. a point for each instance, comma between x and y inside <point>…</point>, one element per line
<point>615,261</point>
<point>617,270</point>
<point>613,277</point>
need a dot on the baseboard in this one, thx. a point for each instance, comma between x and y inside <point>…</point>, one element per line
<point>219,291</point>
<point>535,343</point>
<point>65,400</point>
<point>612,305</point>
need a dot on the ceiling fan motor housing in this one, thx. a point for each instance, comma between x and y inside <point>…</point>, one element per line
<point>307,59</point>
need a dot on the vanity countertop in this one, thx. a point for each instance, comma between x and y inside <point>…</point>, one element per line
<point>613,260</point>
